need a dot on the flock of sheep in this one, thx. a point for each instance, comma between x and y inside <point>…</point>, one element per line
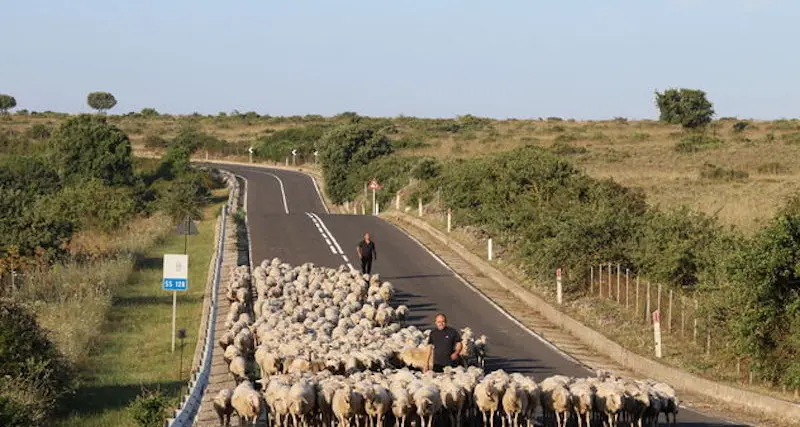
<point>320,346</point>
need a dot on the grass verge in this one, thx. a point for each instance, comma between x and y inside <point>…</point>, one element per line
<point>132,352</point>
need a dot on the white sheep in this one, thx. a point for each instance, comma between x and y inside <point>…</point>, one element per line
<point>223,407</point>
<point>247,403</point>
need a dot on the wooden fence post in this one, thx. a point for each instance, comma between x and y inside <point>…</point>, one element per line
<point>617,283</point>
<point>627,293</point>
<point>591,280</point>
<point>637,296</point>
<point>694,334</point>
<point>609,280</point>
<point>669,314</point>
<point>600,282</point>
<point>647,306</point>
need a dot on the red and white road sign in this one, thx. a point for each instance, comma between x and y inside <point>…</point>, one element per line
<point>373,185</point>
<point>558,273</point>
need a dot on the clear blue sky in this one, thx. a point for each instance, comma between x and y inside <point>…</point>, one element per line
<point>585,59</point>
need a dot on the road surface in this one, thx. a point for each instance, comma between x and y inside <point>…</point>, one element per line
<point>288,220</point>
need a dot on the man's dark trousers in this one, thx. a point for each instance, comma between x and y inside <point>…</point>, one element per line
<point>366,265</point>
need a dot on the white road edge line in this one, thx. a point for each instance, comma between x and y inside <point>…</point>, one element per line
<point>494,304</point>
<point>329,232</point>
<point>319,193</point>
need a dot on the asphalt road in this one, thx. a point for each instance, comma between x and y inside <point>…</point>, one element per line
<point>288,219</point>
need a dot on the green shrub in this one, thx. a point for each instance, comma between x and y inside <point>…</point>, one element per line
<point>686,107</point>
<point>697,142</point>
<point>39,132</point>
<point>565,149</point>
<point>640,136</point>
<point>32,364</point>
<point>87,146</point>
<point>345,150</point>
<point>765,320</point>
<point>152,141</point>
<point>671,246</point>
<point>791,138</point>
<point>740,126</point>
<point>278,145</point>
<point>426,168</point>
<point>717,173</point>
<point>775,168</point>
<point>150,408</point>
<point>568,137</point>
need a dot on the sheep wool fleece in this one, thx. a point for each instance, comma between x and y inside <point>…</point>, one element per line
<point>444,343</point>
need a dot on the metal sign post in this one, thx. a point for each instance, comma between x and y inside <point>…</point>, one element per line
<point>176,278</point>
<point>373,185</point>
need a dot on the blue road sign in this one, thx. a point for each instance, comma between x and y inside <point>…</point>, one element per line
<point>174,284</point>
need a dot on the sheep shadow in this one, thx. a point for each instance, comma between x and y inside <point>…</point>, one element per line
<point>523,365</point>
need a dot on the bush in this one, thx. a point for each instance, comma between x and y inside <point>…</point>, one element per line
<point>686,107</point>
<point>32,365</point>
<point>278,145</point>
<point>150,408</point>
<point>564,149</point>
<point>740,126</point>
<point>717,173</point>
<point>87,146</point>
<point>155,142</point>
<point>345,150</point>
<point>697,142</point>
<point>39,131</point>
<point>183,196</point>
<point>427,168</point>
<point>671,246</point>
<point>640,136</point>
<point>775,168</point>
<point>766,324</point>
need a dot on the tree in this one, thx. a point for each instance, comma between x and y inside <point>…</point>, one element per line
<point>347,147</point>
<point>87,146</point>
<point>7,102</point>
<point>686,107</point>
<point>101,101</point>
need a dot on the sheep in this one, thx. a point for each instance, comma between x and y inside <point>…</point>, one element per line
<point>378,404</point>
<point>609,400</point>
<point>223,407</point>
<point>324,330</point>
<point>514,402</point>
<point>556,398</point>
<point>582,401</point>
<point>401,404</point>
<point>344,404</point>
<point>302,400</point>
<point>247,403</point>
<point>487,399</point>
<point>428,402</point>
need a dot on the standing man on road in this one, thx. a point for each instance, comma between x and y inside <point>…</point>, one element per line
<point>446,344</point>
<point>366,252</point>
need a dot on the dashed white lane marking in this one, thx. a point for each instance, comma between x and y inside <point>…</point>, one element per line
<point>329,239</point>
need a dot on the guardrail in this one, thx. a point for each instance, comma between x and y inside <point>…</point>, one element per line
<point>190,403</point>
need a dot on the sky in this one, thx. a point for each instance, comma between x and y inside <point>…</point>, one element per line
<point>582,59</point>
